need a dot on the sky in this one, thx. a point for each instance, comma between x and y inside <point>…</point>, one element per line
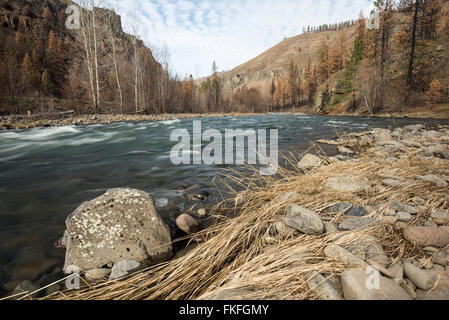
<point>230,32</point>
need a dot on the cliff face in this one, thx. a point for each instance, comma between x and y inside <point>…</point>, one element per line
<point>273,63</point>
<point>37,29</point>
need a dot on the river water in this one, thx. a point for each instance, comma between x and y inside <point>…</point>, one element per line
<point>45,173</point>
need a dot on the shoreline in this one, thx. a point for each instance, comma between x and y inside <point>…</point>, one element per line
<point>325,222</point>
<point>9,123</point>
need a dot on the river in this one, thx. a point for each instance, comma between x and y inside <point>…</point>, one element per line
<point>45,173</point>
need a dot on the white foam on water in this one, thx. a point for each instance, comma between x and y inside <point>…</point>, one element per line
<point>169,122</point>
<point>91,140</point>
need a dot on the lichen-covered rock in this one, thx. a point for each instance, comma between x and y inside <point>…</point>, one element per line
<point>427,236</point>
<point>121,224</point>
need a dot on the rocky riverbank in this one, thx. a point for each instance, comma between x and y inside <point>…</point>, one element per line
<point>371,223</point>
<point>25,122</point>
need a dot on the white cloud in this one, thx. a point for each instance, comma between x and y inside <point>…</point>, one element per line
<point>197,32</point>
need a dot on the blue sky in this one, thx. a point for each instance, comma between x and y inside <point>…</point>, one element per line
<point>231,32</point>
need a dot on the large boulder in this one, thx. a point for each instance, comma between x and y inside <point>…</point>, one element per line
<point>121,224</point>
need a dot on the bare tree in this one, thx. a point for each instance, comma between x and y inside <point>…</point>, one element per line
<point>112,41</point>
<point>87,38</point>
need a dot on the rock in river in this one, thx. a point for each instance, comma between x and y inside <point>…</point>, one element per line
<point>304,220</point>
<point>187,223</point>
<point>121,224</point>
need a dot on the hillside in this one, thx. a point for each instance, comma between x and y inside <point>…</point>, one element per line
<point>271,64</point>
<point>382,74</point>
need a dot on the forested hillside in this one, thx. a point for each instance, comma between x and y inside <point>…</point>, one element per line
<point>45,66</point>
<point>354,68</point>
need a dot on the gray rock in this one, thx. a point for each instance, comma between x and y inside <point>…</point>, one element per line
<point>309,161</point>
<point>346,184</point>
<point>433,179</point>
<point>440,292</point>
<point>341,157</point>
<point>97,274</point>
<point>382,135</point>
<point>281,229</point>
<point>375,251</point>
<point>356,211</point>
<point>441,258</point>
<point>121,224</point>
<point>357,223</point>
<point>398,273</point>
<point>390,183</point>
<point>440,215</point>
<point>201,213</point>
<point>399,206</point>
<point>124,268</point>
<point>340,254</point>
<point>289,196</point>
<point>354,283</point>
<point>304,220</point>
<point>404,216</point>
<point>421,278</point>
<point>431,134</point>
<point>187,223</point>
<point>26,287</point>
<point>339,207</point>
<point>415,127</point>
<point>365,141</point>
<point>323,288</point>
<point>411,143</point>
<point>389,220</point>
<point>345,150</point>
<point>330,228</point>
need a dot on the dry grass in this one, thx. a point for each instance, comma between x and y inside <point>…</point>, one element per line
<point>238,253</point>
